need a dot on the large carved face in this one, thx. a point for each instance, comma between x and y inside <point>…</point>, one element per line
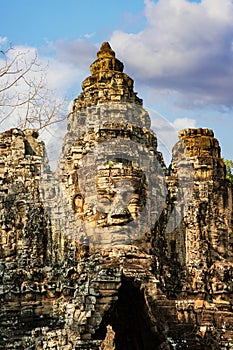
<point>115,187</point>
<point>118,197</point>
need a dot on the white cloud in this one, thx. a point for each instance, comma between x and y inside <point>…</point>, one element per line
<point>89,35</point>
<point>80,53</point>
<point>167,131</point>
<point>3,40</point>
<point>61,76</point>
<point>185,47</point>
<point>183,123</point>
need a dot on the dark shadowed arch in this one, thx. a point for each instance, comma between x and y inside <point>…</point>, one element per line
<point>130,321</point>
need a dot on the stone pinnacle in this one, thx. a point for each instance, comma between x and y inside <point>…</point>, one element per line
<point>105,51</point>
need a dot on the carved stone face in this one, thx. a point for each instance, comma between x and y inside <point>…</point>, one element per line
<point>114,184</point>
<point>120,194</point>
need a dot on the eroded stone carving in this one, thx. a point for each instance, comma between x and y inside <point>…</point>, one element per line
<point>113,238</point>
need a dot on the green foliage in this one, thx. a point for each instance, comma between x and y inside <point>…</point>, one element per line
<point>229,169</point>
<point>110,164</point>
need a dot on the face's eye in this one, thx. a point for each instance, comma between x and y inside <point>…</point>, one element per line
<point>135,199</point>
<point>127,196</point>
<point>104,199</point>
<point>104,203</point>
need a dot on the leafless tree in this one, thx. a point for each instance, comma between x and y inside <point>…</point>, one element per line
<point>25,100</point>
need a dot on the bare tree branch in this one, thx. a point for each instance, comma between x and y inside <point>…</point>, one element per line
<point>24,94</point>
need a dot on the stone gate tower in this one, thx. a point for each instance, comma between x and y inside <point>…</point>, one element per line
<point>114,250</point>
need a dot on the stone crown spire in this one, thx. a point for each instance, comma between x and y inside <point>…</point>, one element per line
<point>105,51</point>
<point>107,82</point>
<point>106,60</point>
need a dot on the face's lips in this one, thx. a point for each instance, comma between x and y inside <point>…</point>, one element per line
<point>114,219</point>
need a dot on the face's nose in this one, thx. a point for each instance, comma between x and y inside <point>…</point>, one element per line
<point>119,213</point>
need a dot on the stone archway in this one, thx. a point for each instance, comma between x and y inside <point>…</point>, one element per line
<point>130,321</point>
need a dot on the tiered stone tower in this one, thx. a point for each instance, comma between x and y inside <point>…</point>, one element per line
<point>113,250</point>
<point>208,229</point>
<point>110,165</point>
<point>107,82</point>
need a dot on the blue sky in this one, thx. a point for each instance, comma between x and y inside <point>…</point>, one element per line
<point>35,22</point>
<point>179,52</point>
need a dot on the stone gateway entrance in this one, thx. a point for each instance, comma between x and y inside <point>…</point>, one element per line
<point>130,321</point>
